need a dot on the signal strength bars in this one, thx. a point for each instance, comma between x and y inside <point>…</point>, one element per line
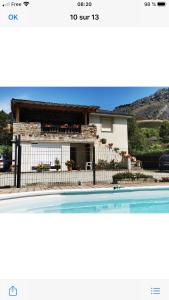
<point>26,3</point>
<point>155,291</point>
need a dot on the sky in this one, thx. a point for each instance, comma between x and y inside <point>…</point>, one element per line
<point>105,97</point>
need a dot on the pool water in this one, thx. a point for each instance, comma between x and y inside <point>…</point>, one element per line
<point>125,200</point>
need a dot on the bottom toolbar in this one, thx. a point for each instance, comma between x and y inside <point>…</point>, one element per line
<point>80,289</point>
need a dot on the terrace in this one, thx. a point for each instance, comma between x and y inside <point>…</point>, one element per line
<point>64,128</point>
<point>33,131</point>
<point>52,121</point>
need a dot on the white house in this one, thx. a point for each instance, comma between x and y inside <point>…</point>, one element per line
<point>51,131</point>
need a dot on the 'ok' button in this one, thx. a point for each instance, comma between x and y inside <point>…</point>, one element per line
<point>13,17</point>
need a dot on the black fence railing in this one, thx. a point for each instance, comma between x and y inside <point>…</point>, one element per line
<point>73,164</point>
<point>65,129</point>
<point>10,165</point>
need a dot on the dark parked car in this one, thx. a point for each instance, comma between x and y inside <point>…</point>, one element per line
<point>4,163</point>
<point>164,162</point>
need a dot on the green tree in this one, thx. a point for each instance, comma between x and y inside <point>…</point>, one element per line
<point>5,134</point>
<point>164,131</point>
<point>137,141</point>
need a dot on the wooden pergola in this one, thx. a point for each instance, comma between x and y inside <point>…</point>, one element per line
<point>19,108</point>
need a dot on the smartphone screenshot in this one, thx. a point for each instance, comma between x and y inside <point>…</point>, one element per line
<point>85,13</point>
<point>84,150</point>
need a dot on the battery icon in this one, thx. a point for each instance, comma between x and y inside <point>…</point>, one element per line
<point>161,3</point>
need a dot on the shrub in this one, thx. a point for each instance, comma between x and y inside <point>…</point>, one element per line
<point>123,176</point>
<point>121,165</point>
<point>6,151</point>
<point>102,164</point>
<point>112,165</point>
<point>150,159</point>
<point>165,179</point>
<point>130,176</point>
<point>141,175</point>
<point>164,131</point>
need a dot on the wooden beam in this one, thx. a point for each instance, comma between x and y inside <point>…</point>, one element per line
<point>57,107</point>
<point>86,118</point>
<point>17,114</point>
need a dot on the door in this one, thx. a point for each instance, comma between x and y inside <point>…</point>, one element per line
<point>73,156</point>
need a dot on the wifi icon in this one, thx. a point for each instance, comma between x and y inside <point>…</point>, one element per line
<point>26,3</point>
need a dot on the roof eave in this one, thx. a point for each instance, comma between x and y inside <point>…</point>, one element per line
<point>112,115</point>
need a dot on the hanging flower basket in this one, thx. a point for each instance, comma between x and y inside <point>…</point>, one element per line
<point>104,141</point>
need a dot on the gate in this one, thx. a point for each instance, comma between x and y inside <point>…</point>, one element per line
<point>10,165</point>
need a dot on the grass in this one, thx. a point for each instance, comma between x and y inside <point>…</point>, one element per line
<point>155,124</point>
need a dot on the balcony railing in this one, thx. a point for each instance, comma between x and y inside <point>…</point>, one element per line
<point>63,129</point>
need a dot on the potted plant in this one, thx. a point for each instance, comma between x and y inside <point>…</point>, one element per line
<point>40,167</point>
<point>123,153</point>
<point>104,141</point>
<point>116,149</point>
<point>12,168</point>
<point>69,164</point>
<point>78,168</point>
<point>57,164</point>
<point>138,163</point>
<point>110,145</point>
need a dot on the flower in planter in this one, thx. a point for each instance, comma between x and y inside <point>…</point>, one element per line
<point>123,153</point>
<point>165,179</point>
<point>40,167</point>
<point>110,145</point>
<point>69,164</point>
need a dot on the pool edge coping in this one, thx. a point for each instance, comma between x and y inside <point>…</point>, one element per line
<point>76,191</point>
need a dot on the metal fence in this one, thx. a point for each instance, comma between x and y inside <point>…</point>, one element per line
<point>66,164</point>
<point>59,164</point>
<point>10,165</point>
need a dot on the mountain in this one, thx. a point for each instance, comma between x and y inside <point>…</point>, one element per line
<point>154,107</point>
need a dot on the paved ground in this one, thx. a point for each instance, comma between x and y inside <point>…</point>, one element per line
<point>83,186</point>
<point>61,180</point>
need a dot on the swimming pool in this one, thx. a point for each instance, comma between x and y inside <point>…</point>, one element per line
<point>123,200</point>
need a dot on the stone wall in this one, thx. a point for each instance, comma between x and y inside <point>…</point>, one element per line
<point>32,132</point>
<point>88,131</point>
<point>27,129</point>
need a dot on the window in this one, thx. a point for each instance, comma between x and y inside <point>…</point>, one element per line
<point>106,124</point>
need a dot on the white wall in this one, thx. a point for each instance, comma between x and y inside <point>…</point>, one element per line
<point>45,154</point>
<point>118,135</point>
<point>65,156</point>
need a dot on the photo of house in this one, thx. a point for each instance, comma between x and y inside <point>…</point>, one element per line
<point>67,132</point>
<point>84,149</point>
